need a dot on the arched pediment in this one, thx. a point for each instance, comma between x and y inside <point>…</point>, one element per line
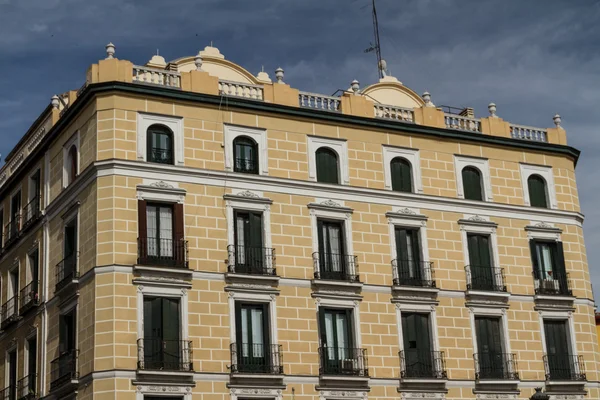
<point>392,92</point>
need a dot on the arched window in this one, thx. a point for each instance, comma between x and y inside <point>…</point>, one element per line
<point>160,144</point>
<point>245,155</point>
<point>327,165</point>
<point>472,183</point>
<point>72,164</point>
<point>538,195</point>
<point>401,175</point>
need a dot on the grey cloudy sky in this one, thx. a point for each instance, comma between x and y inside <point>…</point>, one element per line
<point>533,58</point>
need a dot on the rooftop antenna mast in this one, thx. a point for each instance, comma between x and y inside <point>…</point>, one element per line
<point>381,64</point>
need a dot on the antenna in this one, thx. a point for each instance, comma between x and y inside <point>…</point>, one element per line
<point>381,64</point>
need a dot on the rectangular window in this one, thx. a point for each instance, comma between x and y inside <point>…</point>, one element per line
<point>483,275</point>
<point>418,358</point>
<point>12,374</point>
<point>549,267</point>
<point>11,307</point>
<point>67,332</point>
<point>333,261</point>
<point>29,384</point>
<point>70,250</point>
<point>338,353</point>
<point>250,255</point>
<point>253,345</point>
<point>490,353</point>
<point>162,345</point>
<point>560,360</point>
<point>2,232</point>
<point>15,216</point>
<point>32,208</point>
<point>161,228</point>
<point>408,252</point>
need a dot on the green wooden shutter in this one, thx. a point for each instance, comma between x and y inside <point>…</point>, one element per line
<point>559,264</point>
<point>534,258</point>
<point>256,230</point>
<point>327,166</point>
<point>537,191</point>
<point>472,184</point>
<point>400,170</point>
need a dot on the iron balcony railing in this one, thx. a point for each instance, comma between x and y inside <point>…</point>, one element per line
<point>26,388</point>
<point>31,212</point>
<point>9,312</point>
<point>160,155</point>
<point>422,364</point>
<point>246,165</point>
<point>496,366</point>
<point>251,260</point>
<point>564,367</point>
<point>552,283</point>
<point>165,355</point>
<point>335,266</point>
<point>63,369</point>
<point>413,273</point>
<point>343,361</point>
<point>159,252</point>
<point>9,393</point>
<point>66,271</point>
<point>12,230</point>
<point>30,296</point>
<point>249,358</point>
<point>486,278</point>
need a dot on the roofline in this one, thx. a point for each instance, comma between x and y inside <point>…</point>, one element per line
<point>29,132</point>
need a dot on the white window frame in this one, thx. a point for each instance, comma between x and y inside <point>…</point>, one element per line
<point>410,155</point>
<point>408,218</point>
<point>545,172</point>
<point>15,266</point>
<point>13,346</point>
<point>258,298</point>
<point>12,194</point>
<point>479,225</point>
<point>341,304</point>
<point>161,192</point>
<point>248,201</point>
<point>74,140</point>
<point>256,134</point>
<point>29,185</point>
<point>419,309</point>
<point>29,268</point>
<point>340,146</point>
<point>558,316</point>
<point>482,165</point>
<point>175,124</point>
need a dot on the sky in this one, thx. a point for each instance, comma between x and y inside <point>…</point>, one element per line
<point>532,58</point>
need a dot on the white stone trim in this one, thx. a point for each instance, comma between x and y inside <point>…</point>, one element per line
<point>74,140</point>
<point>421,309</point>
<point>148,288</point>
<point>410,218</point>
<point>343,394</point>
<point>482,165</point>
<point>162,390</point>
<point>545,172</point>
<point>175,124</point>
<point>256,134</point>
<point>161,191</point>
<point>558,316</point>
<point>492,312</point>
<point>479,226</point>
<point>344,304</point>
<point>331,213</point>
<point>255,393</point>
<point>340,146</point>
<point>410,155</point>
<point>543,231</point>
<point>251,202</point>
<point>259,298</point>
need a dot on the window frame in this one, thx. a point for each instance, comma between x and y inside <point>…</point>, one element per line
<point>150,289</point>
<point>342,304</point>
<point>330,210</point>
<point>558,316</point>
<point>547,174</point>
<point>66,176</point>
<point>258,297</point>
<point>545,190</point>
<point>175,124</point>
<point>460,162</point>
<point>250,142</point>
<point>428,309</point>
<point>330,153</point>
<point>252,202</point>
<point>339,146</point>
<point>410,155</point>
<point>169,133</point>
<point>259,135</point>
<point>490,312</point>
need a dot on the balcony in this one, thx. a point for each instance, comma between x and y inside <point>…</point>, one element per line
<point>336,267</point>
<point>246,165</point>
<point>31,212</point>
<point>9,393</point>
<point>12,230</point>
<point>422,364</point>
<point>564,367</point>
<point>30,297</point>
<point>496,366</point>
<point>160,155</point>
<point>413,273</point>
<point>66,272</point>
<point>343,361</point>
<point>251,260</point>
<point>63,369</point>
<point>9,312</point>
<point>26,388</point>
<point>485,278</point>
<point>165,355</point>
<point>158,252</point>
<point>256,359</point>
<point>552,283</point>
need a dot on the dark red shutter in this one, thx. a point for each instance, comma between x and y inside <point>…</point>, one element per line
<point>179,223</point>
<point>142,230</point>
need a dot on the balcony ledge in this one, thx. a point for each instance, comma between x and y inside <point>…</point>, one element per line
<point>246,375</point>
<point>162,270</point>
<point>340,284</point>
<point>424,380</point>
<point>551,298</point>
<point>164,374</point>
<point>233,276</point>
<point>344,378</point>
<point>497,382</point>
<point>566,383</point>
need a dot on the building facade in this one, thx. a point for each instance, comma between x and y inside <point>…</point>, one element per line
<point>188,230</point>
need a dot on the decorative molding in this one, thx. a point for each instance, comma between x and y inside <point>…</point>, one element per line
<point>268,392</point>
<point>161,191</point>
<point>477,218</point>
<point>496,396</point>
<point>543,225</point>
<point>163,389</point>
<point>406,210</point>
<point>248,193</point>
<point>36,138</point>
<point>330,205</point>
<point>422,395</point>
<point>248,197</point>
<point>337,394</point>
<point>162,185</point>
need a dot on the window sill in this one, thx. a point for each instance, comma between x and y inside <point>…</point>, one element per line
<point>163,270</point>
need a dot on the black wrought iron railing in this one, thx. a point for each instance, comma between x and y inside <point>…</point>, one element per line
<point>246,165</point>
<point>495,366</point>
<point>26,388</point>
<point>31,211</point>
<point>9,312</point>
<point>413,273</point>
<point>9,393</point>
<point>335,266</point>
<point>251,260</point>
<point>552,283</point>
<point>161,252</point>
<point>422,364</point>
<point>160,155</point>
<point>165,355</point>
<point>256,358</point>
<point>343,361</point>
<point>486,278</point>
<point>63,369</point>
<point>564,367</point>
<point>66,271</point>
<point>12,230</point>
<point>30,296</point>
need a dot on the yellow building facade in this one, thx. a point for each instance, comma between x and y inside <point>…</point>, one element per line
<point>188,230</point>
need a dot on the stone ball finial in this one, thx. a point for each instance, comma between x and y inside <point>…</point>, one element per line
<point>54,101</point>
<point>427,99</point>
<point>557,120</point>
<point>492,110</point>
<point>355,85</point>
<point>110,51</point>
<point>279,74</point>
<point>198,62</point>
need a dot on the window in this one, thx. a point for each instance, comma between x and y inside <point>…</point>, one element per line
<point>72,164</point>
<point>472,183</point>
<point>408,261</point>
<point>338,353</point>
<point>418,359</point>
<point>2,236</point>
<point>161,234</point>
<point>490,356</point>
<point>67,269</point>
<point>549,267</point>
<point>538,194</point>
<point>253,349</point>
<point>12,375</point>
<point>333,261</point>
<point>67,332</point>
<point>64,367</point>
<point>160,144</point>
<point>28,384</point>
<point>327,166</point>
<point>32,209</point>
<point>162,347</point>
<point>401,174</point>
<point>13,227</point>
<point>481,271</point>
<point>13,291</point>
<point>30,293</point>
<point>561,364</point>
<point>250,254</point>
<point>245,155</point>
